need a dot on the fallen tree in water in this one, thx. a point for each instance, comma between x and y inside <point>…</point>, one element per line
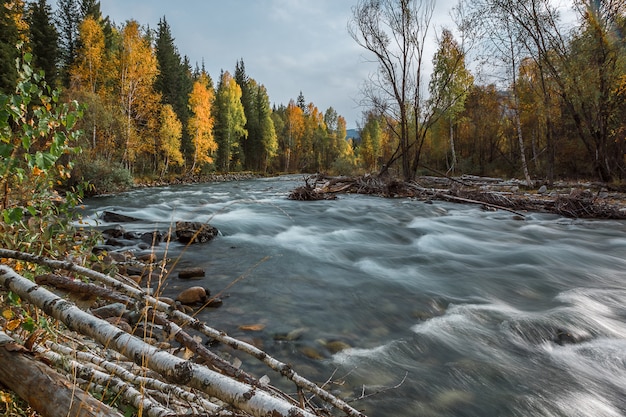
<point>103,357</point>
<point>573,200</point>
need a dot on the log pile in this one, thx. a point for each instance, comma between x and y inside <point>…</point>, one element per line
<point>85,356</point>
<point>566,199</point>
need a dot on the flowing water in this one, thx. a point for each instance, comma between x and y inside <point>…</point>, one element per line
<point>446,310</point>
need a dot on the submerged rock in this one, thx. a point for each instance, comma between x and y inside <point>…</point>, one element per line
<point>563,337</point>
<point>110,217</point>
<point>191,273</point>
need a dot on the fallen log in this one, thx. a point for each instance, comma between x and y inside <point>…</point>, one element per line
<point>241,396</point>
<point>183,319</point>
<point>47,391</point>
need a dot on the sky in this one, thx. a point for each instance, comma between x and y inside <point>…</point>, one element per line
<point>287,45</point>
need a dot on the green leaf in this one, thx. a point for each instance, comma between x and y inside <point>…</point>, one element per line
<point>6,149</point>
<point>12,216</point>
<point>44,160</point>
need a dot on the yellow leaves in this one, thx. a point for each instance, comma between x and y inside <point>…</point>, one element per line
<point>252,327</point>
<point>200,126</point>
<point>170,134</point>
<point>37,171</point>
<point>7,314</point>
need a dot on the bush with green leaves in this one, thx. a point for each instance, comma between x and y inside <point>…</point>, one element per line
<point>37,133</point>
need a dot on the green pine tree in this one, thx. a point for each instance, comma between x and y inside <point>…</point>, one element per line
<point>9,38</point>
<point>43,39</point>
<point>174,81</point>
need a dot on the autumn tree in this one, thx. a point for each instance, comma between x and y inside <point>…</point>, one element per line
<point>137,69</point>
<point>310,149</point>
<point>87,72</point>
<point>293,131</point>
<point>170,133</point>
<point>201,122</point>
<point>370,148</point>
<point>230,121</point>
<point>450,82</point>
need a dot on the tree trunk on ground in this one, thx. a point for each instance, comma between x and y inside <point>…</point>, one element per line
<point>242,396</point>
<point>44,389</point>
<point>282,368</point>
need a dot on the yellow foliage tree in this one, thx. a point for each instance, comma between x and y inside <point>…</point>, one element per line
<point>200,126</point>
<point>87,72</point>
<point>137,66</point>
<point>169,135</point>
<point>294,126</point>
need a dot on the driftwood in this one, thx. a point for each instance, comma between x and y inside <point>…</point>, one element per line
<point>569,201</point>
<point>48,392</point>
<point>244,397</point>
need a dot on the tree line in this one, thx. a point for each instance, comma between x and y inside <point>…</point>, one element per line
<point>551,101</point>
<point>149,113</point>
<point>514,91</point>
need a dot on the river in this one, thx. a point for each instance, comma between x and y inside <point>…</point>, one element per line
<point>422,309</point>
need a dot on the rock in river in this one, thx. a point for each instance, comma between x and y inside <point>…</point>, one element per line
<point>193,295</point>
<point>191,232</point>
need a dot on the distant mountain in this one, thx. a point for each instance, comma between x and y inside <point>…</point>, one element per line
<point>353,134</point>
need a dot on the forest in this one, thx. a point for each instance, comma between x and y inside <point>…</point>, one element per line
<point>514,92</point>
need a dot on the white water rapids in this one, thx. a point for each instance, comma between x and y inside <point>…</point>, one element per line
<point>467,304</point>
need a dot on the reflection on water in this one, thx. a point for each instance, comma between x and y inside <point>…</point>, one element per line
<point>467,304</point>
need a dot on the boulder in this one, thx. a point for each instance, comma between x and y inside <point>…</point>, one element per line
<point>192,232</point>
<point>192,295</point>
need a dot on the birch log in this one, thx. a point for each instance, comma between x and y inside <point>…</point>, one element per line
<point>278,366</point>
<point>241,396</point>
<point>47,391</point>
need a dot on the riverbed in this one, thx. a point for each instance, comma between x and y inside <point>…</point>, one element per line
<point>412,308</point>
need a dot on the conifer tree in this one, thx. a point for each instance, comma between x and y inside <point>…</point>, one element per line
<point>9,37</point>
<point>174,80</point>
<point>247,143</point>
<point>43,39</point>
<point>68,19</point>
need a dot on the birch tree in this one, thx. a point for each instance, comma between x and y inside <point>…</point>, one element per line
<point>201,122</point>
<point>231,121</point>
<point>170,134</point>
<point>137,68</point>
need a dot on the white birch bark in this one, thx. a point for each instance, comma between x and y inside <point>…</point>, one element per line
<point>180,371</point>
<point>278,366</point>
<point>58,351</point>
